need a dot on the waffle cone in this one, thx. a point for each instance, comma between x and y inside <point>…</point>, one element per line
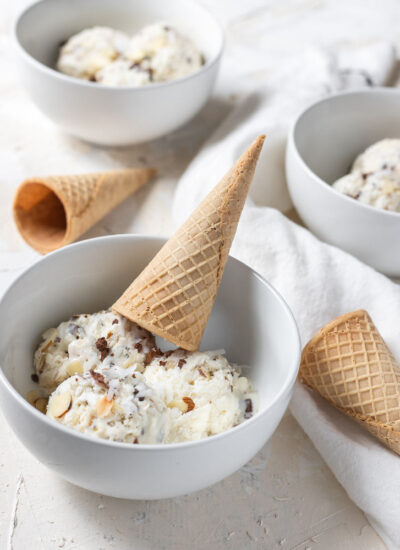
<point>349,364</point>
<point>174,294</point>
<point>53,211</point>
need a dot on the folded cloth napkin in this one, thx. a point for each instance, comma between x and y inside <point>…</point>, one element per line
<point>318,281</point>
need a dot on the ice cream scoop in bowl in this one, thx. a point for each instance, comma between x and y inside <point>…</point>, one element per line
<point>249,320</point>
<point>115,114</point>
<point>323,144</point>
<point>182,418</point>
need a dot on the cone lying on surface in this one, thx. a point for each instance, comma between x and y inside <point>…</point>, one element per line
<point>350,365</point>
<point>174,294</point>
<point>53,211</point>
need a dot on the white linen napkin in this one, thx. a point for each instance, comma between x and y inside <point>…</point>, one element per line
<point>318,281</point>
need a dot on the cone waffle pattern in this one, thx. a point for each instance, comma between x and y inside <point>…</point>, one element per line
<point>85,200</point>
<point>349,364</point>
<point>174,295</point>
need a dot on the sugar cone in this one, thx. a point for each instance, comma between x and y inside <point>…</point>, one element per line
<point>174,294</point>
<point>53,211</point>
<point>349,364</point>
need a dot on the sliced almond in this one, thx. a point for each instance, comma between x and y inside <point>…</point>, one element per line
<point>185,404</point>
<point>60,404</point>
<point>41,404</point>
<point>32,396</point>
<point>189,402</point>
<point>52,333</point>
<point>104,406</point>
<point>128,363</point>
<point>74,367</point>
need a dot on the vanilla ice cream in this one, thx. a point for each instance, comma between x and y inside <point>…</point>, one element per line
<point>375,176</point>
<point>157,53</point>
<point>123,72</point>
<point>85,342</point>
<point>205,394</point>
<point>129,412</point>
<point>164,52</point>
<point>90,51</point>
<point>109,379</point>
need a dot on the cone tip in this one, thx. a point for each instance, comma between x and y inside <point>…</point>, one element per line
<point>253,152</point>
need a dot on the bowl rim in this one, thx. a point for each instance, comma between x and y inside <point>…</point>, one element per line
<point>53,73</point>
<point>378,90</point>
<point>287,384</point>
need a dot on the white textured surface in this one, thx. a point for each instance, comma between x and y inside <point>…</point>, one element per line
<point>294,503</point>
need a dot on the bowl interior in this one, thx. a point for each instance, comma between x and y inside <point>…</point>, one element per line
<point>249,320</point>
<point>44,26</point>
<point>331,133</point>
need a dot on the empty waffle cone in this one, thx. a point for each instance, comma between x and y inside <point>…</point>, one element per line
<point>53,211</point>
<point>349,364</point>
<point>174,294</point>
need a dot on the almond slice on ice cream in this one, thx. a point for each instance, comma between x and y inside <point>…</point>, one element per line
<point>104,406</point>
<point>185,404</point>
<point>74,367</point>
<point>32,397</point>
<point>41,404</point>
<point>60,404</point>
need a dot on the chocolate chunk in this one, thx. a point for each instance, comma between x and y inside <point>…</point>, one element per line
<point>115,322</point>
<point>155,352</point>
<point>92,79</point>
<point>181,363</point>
<point>151,72</point>
<point>169,353</point>
<point>99,379</point>
<point>248,408</point>
<point>138,346</point>
<point>141,398</point>
<point>202,373</point>
<point>136,441</point>
<point>163,363</point>
<point>135,391</point>
<point>35,378</point>
<point>102,346</point>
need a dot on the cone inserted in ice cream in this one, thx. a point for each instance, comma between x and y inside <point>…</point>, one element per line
<point>349,364</point>
<point>174,294</point>
<point>53,211</point>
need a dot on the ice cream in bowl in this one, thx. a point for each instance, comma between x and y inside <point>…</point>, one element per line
<point>115,73</point>
<point>343,172</point>
<point>140,368</point>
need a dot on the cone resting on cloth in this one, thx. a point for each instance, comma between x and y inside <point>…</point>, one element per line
<point>174,294</point>
<point>349,364</point>
<point>51,212</point>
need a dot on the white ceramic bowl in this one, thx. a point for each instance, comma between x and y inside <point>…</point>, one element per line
<point>114,115</point>
<point>250,320</point>
<point>323,142</point>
